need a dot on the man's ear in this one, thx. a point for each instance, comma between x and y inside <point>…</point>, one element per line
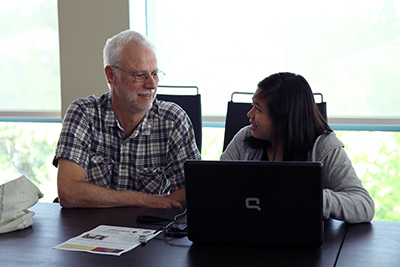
<point>110,75</point>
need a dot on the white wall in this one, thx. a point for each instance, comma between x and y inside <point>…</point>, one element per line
<point>84,27</point>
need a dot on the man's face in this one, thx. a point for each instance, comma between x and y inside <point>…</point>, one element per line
<point>135,96</point>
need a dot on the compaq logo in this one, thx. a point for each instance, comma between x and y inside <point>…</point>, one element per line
<point>253,203</point>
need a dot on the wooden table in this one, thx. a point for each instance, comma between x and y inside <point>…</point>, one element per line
<point>371,244</point>
<point>54,225</point>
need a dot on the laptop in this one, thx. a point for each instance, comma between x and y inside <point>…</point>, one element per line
<point>254,202</point>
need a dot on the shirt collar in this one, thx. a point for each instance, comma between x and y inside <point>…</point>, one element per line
<point>148,120</point>
<point>144,127</point>
<point>110,120</point>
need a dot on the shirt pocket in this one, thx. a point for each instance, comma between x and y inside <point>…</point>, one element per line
<point>100,169</point>
<point>152,181</point>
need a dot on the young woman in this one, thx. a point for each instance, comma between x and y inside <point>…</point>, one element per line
<point>287,126</point>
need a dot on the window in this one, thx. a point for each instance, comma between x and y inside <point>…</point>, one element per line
<point>27,148</point>
<point>30,92</point>
<point>347,50</point>
<point>29,54</point>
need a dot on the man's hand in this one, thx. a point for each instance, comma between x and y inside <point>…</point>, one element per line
<point>158,201</point>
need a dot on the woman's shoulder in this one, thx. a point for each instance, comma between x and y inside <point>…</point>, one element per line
<point>241,135</point>
<point>236,148</point>
<point>244,132</point>
<point>329,139</point>
<point>325,143</point>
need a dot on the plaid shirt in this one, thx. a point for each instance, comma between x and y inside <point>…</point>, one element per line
<point>151,160</point>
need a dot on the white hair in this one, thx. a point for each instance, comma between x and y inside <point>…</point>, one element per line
<point>112,51</point>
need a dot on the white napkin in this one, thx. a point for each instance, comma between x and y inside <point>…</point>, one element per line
<point>16,197</point>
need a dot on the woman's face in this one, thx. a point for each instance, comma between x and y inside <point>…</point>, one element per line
<point>261,122</point>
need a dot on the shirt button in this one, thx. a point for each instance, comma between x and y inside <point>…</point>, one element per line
<point>101,165</point>
<point>123,167</point>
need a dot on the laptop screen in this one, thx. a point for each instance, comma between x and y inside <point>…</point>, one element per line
<point>254,202</point>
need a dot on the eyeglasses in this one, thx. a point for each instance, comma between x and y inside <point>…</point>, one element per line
<point>142,76</point>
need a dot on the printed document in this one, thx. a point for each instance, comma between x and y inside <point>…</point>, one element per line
<point>109,240</point>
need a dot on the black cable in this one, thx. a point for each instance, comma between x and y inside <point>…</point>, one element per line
<point>179,215</point>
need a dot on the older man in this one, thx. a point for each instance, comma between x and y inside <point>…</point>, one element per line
<point>125,148</point>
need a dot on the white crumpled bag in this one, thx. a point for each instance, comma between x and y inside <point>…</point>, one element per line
<point>16,197</point>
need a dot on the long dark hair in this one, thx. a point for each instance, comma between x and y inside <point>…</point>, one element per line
<point>295,115</point>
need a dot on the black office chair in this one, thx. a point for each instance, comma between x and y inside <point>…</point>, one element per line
<point>191,104</point>
<point>236,116</point>
<point>321,106</point>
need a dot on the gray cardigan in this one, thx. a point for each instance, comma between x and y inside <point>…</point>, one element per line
<point>344,197</point>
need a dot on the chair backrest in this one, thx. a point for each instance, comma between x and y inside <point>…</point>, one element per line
<point>236,116</point>
<point>191,104</point>
<point>322,106</point>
